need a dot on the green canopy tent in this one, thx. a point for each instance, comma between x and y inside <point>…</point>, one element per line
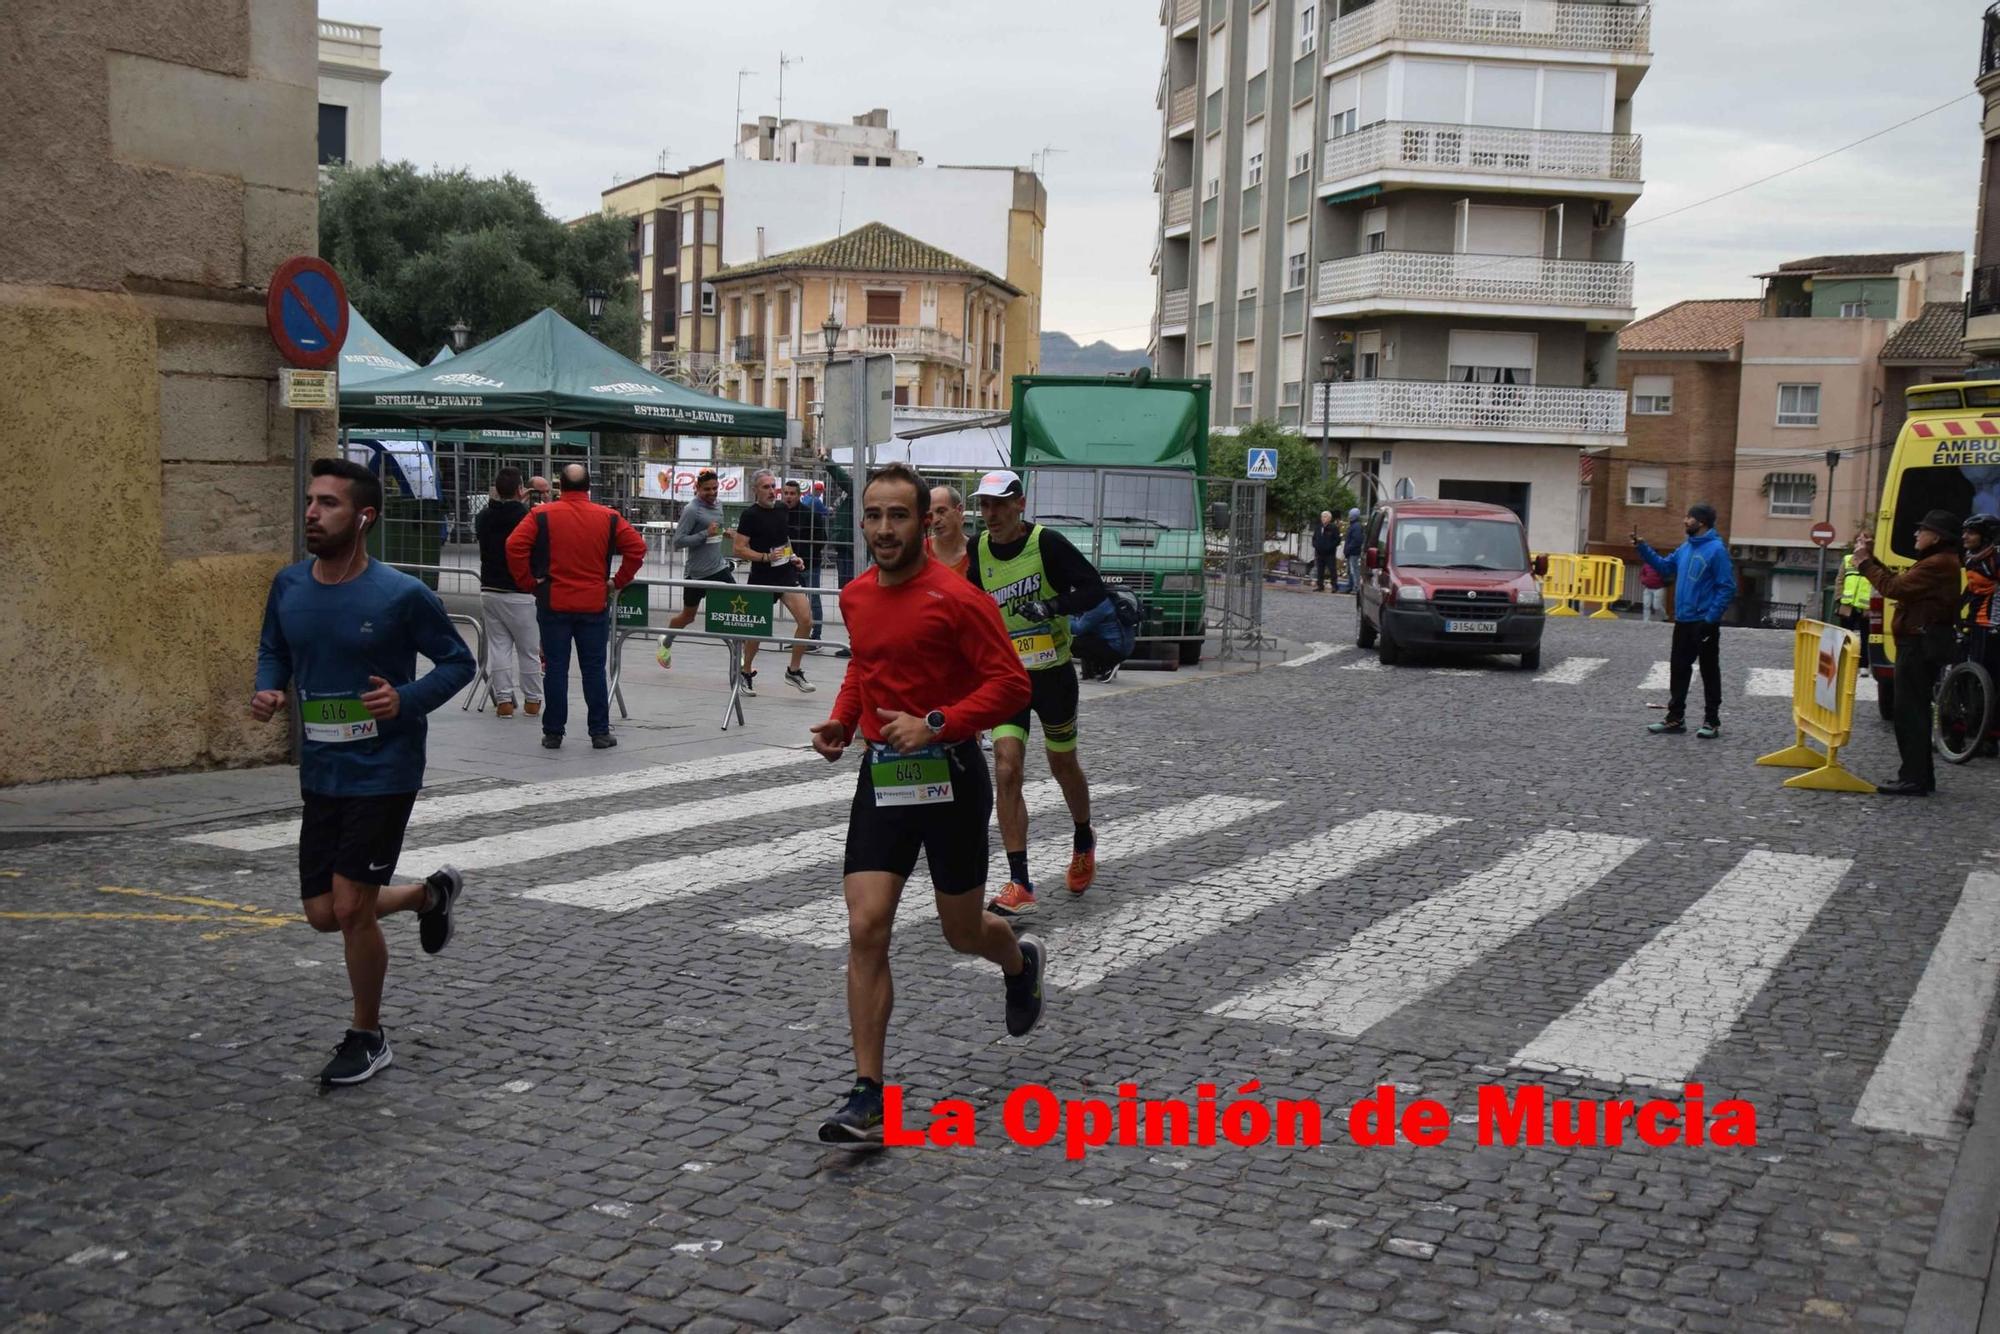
<point>546,373</point>
<point>367,355</point>
<point>444,354</point>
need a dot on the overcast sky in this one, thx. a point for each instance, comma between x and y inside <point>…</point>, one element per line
<point>574,97</point>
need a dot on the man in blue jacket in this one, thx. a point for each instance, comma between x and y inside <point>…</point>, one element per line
<point>1704,585</point>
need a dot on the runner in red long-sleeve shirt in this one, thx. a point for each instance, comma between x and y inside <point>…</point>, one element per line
<point>932,667</point>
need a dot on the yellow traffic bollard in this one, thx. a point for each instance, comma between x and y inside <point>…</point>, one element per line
<point>1825,662</point>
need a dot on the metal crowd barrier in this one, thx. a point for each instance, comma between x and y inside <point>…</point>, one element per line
<point>482,690</point>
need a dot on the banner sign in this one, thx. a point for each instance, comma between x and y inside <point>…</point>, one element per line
<point>669,481</point>
<point>1826,680</point>
<point>744,613</point>
<point>634,606</point>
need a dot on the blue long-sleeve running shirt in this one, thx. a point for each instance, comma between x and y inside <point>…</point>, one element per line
<point>328,639</point>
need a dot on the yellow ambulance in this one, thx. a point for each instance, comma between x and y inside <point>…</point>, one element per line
<point>1947,457</point>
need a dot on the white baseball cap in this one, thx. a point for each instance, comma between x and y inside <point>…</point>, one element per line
<point>998,483</point>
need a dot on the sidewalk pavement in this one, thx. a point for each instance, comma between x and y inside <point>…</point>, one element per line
<point>1959,1289</point>
<point>676,715</point>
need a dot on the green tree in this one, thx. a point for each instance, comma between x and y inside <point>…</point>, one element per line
<point>1298,495</point>
<point>419,251</point>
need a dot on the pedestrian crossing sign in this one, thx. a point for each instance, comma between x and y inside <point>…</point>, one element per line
<point>1263,465</point>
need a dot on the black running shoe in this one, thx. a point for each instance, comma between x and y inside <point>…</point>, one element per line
<point>858,1124</point>
<point>357,1058</point>
<point>1024,990</point>
<point>434,922</point>
<point>603,741</point>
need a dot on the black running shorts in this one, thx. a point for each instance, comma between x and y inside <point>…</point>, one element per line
<point>691,597</point>
<point>1054,700</point>
<point>952,835</point>
<point>356,837</point>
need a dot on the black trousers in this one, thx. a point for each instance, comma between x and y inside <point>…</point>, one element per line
<point>1916,677</point>
<point>1326,570</point>
<point>1695,641</point>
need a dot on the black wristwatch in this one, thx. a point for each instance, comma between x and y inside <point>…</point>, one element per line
<point>935,721</point>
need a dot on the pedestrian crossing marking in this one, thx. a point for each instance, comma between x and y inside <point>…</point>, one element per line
<point>1570,671</point>
<point>567,837</point>
<point>1410,954</point>
<point>1363,665</point>
<point>1659,677</point>
<point>1653,1020</point>
<point>461,805</point>
<point>1776,682</point>
<point>823,921</point>
<point>1313,653</point>
<point>686,876</point>
<point>1918,1082</point>
<point>1139,929</point>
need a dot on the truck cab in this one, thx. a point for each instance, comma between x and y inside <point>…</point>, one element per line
<point>1449,576</point>
<point>1114,464</point>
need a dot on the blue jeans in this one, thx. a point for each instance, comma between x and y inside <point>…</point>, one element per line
<point>590,631</point>
<point>810,578</point>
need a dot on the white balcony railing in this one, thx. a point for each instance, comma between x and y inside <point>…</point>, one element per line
<point>1174,309</point>
<point>1180,206</point>
<point>1513,280</point>
<point>908,340</point>
<point>1420,405</point>
<point>1182,106</point>
<point>1485,149</point>
<point>1548,24</point>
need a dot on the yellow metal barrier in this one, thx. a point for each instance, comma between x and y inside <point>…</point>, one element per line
<point>1602,580</point>
<point>1562,584</point>
<point>1825,661</point>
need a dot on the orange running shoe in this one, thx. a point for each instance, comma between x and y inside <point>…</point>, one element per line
<point>1016,900</point>
<point>1082,871</point>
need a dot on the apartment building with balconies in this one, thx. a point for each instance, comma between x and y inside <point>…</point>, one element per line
<point>943,318</point>
<point>675,248</point>
<point>1420,203</point>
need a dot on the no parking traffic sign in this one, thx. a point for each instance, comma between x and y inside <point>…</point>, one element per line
<point>306,311</point>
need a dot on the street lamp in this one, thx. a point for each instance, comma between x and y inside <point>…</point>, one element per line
<point>461,334</point>
<point>1326,365</point>
<point>830,331</point>
<point>593,301</point>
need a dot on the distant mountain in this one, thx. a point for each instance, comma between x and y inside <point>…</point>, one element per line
<point>1061,355</point>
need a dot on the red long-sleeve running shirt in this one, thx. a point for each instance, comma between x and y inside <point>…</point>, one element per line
<point>931,642</point>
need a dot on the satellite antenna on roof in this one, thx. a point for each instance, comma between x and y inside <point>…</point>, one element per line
<point>784,62</point>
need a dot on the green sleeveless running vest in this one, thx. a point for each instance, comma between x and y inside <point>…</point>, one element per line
<point>1040,644</point>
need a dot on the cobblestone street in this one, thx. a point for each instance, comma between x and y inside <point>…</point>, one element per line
<point>1325,877</point>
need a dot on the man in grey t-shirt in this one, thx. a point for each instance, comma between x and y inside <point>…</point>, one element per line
<point>706,542</point>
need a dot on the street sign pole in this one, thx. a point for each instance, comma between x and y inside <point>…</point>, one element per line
<point>1819,580</point>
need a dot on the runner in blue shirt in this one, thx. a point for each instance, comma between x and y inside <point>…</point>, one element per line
<point>345,631</point>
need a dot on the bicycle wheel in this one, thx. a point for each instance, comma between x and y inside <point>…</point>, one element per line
<point>1964,711</point>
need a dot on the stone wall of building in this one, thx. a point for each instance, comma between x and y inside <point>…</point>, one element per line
<point>160,162</point>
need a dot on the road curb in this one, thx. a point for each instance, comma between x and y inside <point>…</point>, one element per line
<point>1960,1279</point>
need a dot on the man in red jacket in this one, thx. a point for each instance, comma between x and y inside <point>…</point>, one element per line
<point>933,667</point>
<point>562,553</point>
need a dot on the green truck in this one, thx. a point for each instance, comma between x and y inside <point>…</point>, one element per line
<point>1114,464</point>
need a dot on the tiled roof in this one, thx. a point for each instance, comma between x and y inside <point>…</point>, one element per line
<point>1691,326</point>
<point>1854,264</point>
<point>876,248</point>
<point>1936,335</point>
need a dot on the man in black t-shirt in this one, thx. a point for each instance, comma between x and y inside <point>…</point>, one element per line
<point>512,635</point>
<point>764,538</point>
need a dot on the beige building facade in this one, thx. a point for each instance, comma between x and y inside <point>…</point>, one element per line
<point>676,248</point>
<point>141,391</point>
<point>943,318</point>
<point>350,93</point>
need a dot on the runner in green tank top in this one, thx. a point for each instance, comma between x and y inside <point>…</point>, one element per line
<point>1039,581</point>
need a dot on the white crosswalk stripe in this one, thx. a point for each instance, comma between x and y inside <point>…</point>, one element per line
<point>671,821</point>
<point>1411,953</point>
<point>1570,671</point>
<point>696,873</point>
<point>1776,682</point>
<point>458,806</point>
<point>1658,677</point>
<point>823,922</point>
<point>1653,1020</point>
<point>1917,1084</point>
<point>1212,901</point>
<point>1313,653</point>
<point>1362,665</point>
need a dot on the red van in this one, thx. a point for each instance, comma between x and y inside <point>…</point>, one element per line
<point>1450,576</point>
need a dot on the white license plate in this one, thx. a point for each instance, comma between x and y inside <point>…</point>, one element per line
<point>1470,627</point>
